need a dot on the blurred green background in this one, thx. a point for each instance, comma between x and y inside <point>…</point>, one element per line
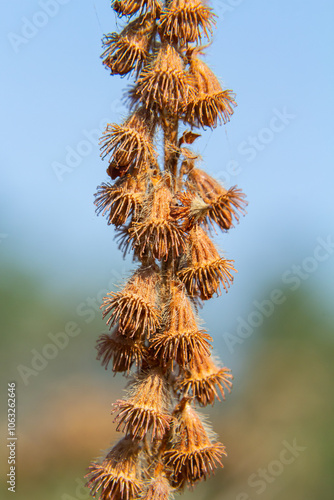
<point>58,259</point>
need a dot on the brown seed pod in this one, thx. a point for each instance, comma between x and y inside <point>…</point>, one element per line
<point>129,145</point>
<point>181,338</point>
<point>118,477</point>
<point>209,103</point>
<point>146,408</point>
<point>120,200</point>
<point>156,232</point>
<point>130,7</point>
<point>135,307</point>
<point>191,454</point>
<point>203,380</point>
<point>185,21</point>
<point>163,85</point>
<point>208,202</point>
<point>127,51</point>
<point>204,270</point>
<point>121,350</point>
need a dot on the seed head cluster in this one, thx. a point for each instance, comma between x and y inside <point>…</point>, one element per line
<point>164,209</point>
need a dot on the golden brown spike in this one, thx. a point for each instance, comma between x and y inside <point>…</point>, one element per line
<point>162,207</point>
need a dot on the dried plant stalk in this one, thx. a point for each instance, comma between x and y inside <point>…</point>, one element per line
<point>163,211</point>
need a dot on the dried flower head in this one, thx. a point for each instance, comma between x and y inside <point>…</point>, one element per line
<point>162,85</point>
<point>209,103</point>
<point>121,350</point>
<point>203,380</point>
<point>192,455</point>
<point>120,200</point>
<point>146,408</point>
<point>135,307</point>
<point>127,51</point>
<point>130,7</point>
<point>118,476</point>
<point>156,232</point>
<point>209,202</point>
<point>180,339</point>
<point>186,20</point>
<point>204,270</point>
<point>129,145</point>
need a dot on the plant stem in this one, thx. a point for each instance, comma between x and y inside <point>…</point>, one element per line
<point>170,147</point>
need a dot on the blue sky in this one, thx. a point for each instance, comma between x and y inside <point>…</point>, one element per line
<point>278,147</point>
